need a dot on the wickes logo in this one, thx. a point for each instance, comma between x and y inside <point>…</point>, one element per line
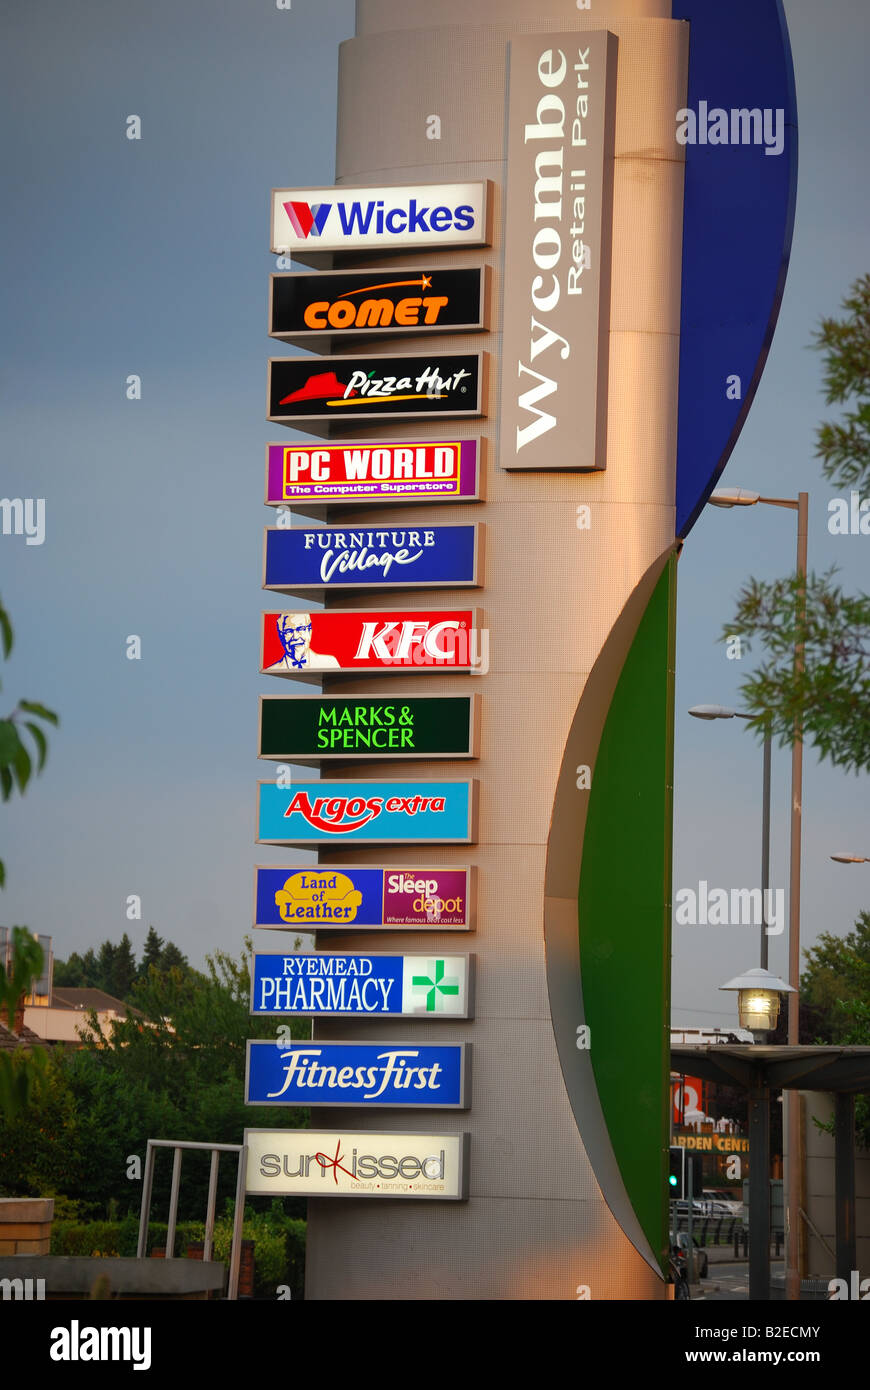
<point>357,218</point>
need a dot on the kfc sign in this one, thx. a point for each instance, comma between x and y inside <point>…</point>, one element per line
<point>306,644</point>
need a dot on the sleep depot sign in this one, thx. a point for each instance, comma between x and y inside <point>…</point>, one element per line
<point>382,899</point>
<point>639,273</point>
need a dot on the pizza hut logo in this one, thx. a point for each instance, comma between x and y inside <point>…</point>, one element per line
<point>342,815</point>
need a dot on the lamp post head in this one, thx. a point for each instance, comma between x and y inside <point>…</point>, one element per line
<point>758,1000</point>
<point>848,859</point>
<point>712,712</point>
<point>733,497</point>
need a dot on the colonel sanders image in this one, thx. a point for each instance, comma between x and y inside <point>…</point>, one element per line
<point>294,629</point>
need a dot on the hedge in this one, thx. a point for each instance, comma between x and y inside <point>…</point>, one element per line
<point>279,1246</point>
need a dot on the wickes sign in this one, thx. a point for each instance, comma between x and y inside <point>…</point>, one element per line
<point>307,222</point>
<point>557,251</point>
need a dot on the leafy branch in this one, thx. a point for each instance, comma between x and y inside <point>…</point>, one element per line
<point>16,755</point>
<point>831,694</point>
<point>844,446</point>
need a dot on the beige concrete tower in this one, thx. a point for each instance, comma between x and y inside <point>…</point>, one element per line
<point>557,579</point>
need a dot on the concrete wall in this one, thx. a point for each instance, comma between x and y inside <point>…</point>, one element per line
<point>819,1188</point>
<point>536,1225</point>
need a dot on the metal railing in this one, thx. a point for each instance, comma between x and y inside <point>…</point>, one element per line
<point>178,1145</point>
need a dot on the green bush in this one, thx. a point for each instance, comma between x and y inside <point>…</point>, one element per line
<point>279,1244</point>
<point>113,1238</point>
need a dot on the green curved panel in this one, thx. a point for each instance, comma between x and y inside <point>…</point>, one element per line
<point>625,912</point>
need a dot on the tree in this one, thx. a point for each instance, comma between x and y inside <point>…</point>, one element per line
<point>106,966</point>
<point>172,958</point>
<point>113,968</point>
<point>20,1071</point>
<point>830,696</point>
<point>835,993</point>
<point>174,1070</point>
<point>124,972</point>
<point>16,759</point>
<point>837,976</point>
<point>153,952</point>
<point>844,446</point>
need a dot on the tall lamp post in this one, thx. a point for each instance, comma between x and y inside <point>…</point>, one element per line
<point>740,497</point>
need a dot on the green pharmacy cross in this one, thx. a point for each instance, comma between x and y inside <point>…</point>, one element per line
<point>436,986</point>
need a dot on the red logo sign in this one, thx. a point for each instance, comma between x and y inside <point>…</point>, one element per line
<point>296,643</point>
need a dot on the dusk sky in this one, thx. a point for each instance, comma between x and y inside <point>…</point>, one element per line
<point>151,257</point>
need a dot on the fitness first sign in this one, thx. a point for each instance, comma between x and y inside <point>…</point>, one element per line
<point>557,251</point>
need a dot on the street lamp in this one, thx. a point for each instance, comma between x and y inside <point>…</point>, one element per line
<point>740,497</point>
<point>758,1000</point>
<point>722,712</point>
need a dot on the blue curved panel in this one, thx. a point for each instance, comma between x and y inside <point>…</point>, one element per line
<point>737,232</point>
